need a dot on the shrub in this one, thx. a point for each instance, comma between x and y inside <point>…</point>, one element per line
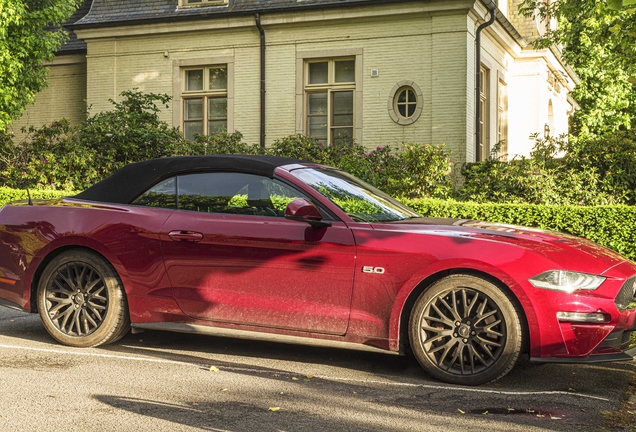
<point>427,171</point>
<point>51,156</point>
<point>63,156</point>
<point>612,226</point>
<point>611,156</point>
<point>304,148</point>
<point>540,179</point>
<point>130,132</point>
<point>413,170</point>
<point>219,143</point>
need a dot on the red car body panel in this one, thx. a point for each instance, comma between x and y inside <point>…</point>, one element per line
<point>350,281</point>
<point>261,271</point>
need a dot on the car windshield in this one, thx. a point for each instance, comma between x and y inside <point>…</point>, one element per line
<point>361,201</point>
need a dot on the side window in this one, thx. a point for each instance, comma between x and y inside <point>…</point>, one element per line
<point>163,195</point>
<point>234,193</point>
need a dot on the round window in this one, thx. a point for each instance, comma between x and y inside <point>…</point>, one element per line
<point>405,103</point>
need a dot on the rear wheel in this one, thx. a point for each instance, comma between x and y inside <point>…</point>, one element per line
<point>465,330</point>
<point>81,300</point>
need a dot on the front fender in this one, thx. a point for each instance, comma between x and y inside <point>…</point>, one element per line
<point>425,277</point>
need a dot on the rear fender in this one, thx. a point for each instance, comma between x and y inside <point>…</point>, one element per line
<point>46,254</point>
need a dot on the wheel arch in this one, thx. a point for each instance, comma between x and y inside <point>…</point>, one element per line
<point>51,254</point>
<point>407,306</point>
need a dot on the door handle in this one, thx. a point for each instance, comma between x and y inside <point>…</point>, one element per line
<point>185,236</point>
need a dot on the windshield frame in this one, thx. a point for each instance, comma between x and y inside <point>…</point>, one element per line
<point>366,194</point>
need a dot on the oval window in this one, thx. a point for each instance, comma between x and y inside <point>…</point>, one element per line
<point>405,103</point>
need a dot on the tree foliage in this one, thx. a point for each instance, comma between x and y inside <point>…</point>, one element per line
<point>598,40</point>
<point>29,35</point>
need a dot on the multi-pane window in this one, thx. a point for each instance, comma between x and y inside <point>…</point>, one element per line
<point>204,97</point>
<point>484,106</point>
<point>405,102</point>
<point>502,119</point>
<point>329,90</point>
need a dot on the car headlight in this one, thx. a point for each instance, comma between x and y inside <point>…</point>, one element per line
<point>568,281</point>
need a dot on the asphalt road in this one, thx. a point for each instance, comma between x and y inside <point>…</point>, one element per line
<point>157,381</point>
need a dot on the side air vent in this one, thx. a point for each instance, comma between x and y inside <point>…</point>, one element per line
<point>625,298</point>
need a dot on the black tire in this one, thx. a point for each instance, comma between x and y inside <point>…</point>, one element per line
<point>465,330</point>
<point>81,300</point>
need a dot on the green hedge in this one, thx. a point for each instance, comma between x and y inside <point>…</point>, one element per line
<point>613,226</point>
<point>8,194</point>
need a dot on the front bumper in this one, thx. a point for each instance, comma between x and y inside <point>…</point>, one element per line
<point>562,340</point>
<point>582,342</point>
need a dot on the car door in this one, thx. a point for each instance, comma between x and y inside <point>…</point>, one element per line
<point>232,257</point>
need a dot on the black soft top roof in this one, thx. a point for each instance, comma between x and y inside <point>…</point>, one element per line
<point>129,182</point>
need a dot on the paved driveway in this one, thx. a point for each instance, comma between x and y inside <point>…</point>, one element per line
<point>160,381</point>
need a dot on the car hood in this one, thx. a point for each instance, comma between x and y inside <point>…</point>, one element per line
<point>563,249</point>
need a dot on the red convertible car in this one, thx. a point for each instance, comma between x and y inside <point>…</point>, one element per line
<point>265,247</point>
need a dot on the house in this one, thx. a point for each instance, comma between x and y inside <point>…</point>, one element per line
<point>381,71</point>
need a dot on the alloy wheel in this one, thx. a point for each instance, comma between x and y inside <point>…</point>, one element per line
<point>76,299</point>
<point>463,331</point>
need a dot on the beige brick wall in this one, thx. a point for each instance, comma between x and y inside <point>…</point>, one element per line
<point>452,85</point>
<point>415,45</point>
<point>62,98</point>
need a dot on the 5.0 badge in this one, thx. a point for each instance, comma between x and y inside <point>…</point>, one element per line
<point>370,269</point>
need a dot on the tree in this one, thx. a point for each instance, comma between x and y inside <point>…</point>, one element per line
<point>619,4</point>
<point>30,33</point>
<point>598,42</point>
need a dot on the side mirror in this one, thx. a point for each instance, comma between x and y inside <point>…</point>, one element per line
<point>302,210</point>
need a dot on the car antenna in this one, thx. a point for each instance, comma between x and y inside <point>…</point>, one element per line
<point>29,195</point>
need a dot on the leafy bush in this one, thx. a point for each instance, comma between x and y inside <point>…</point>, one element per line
<point>63,156</point>
<point>309,149</point>
<point>51,156</point>
<point>540,179</point>
<point>219,143</point>
<point>426,171</point>
<point>611,156</point>
<point>130,132</point>
<point>413,171</point>
<point>612,226</point>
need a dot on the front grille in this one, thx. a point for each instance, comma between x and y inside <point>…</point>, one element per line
<point>625,298</point>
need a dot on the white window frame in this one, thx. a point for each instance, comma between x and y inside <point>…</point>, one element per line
<point>303,88</point>
<point>502,118</point>
<point>484,117</point>
<point>179,68</point>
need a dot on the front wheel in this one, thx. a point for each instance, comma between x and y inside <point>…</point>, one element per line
<point>81,300</point>
<point>465,330</point>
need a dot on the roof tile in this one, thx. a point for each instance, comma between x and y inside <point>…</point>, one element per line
<point>118,12</point>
